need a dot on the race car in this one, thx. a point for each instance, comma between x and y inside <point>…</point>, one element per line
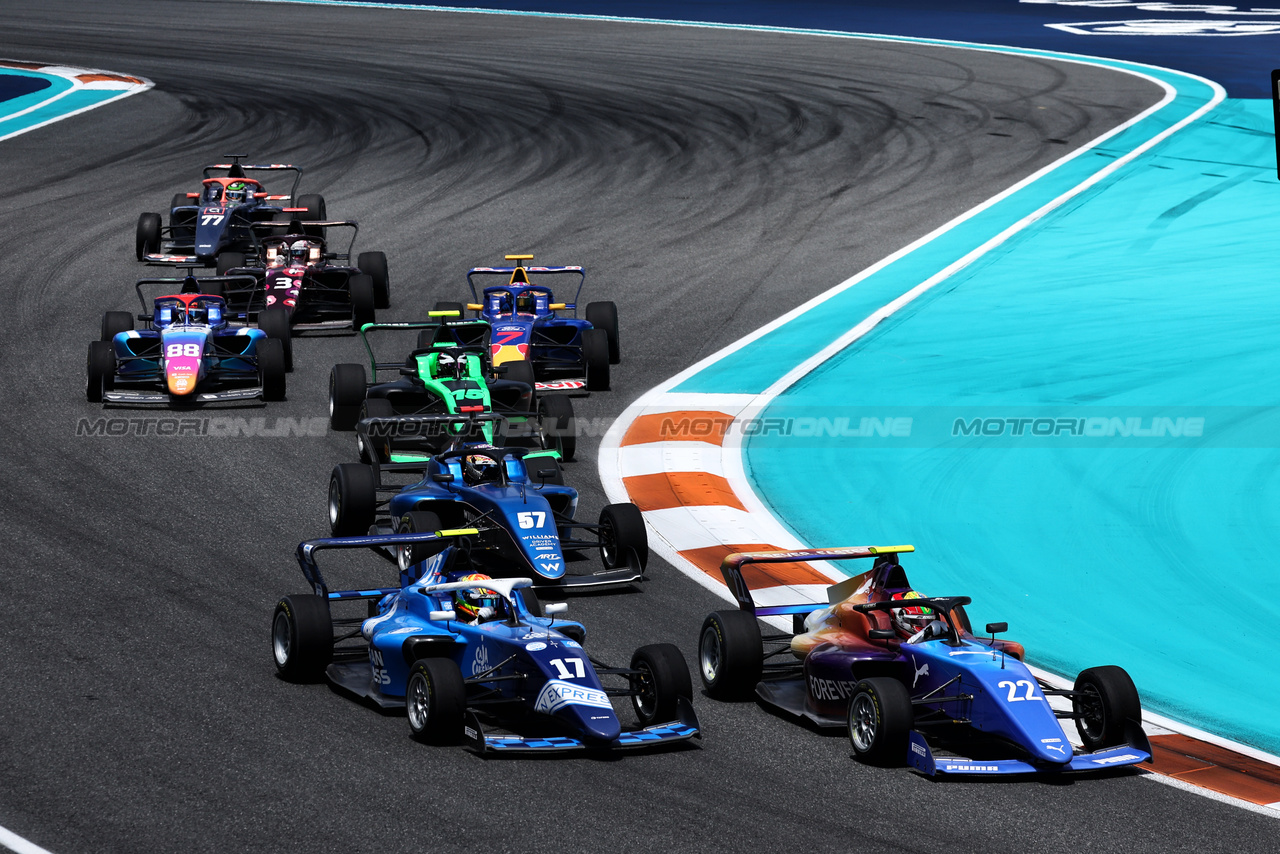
<point>515,497</point>
<point>906,676</point>
<point>298,287</point>
<point>529,325</point>
<point>221,216</point>
<point>186,353</point>
<point>447,378</point>
<point>461,652</point>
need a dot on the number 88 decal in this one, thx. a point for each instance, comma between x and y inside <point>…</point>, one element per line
<point>176,351</point>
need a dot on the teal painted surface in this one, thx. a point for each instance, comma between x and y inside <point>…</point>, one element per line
<point>1155,294</point>
<point>62,100</point>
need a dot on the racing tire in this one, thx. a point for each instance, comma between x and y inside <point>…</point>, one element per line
<point>229,261</point>
<point>426,338</point>
<point>148,236</point>
<point>100,371</point>
<point>182,225</point>
<point>880,718</point>
<point>556,424</point>
<point>604,315</point>
<point>374,407</point>
<point>1104,702</point>
<point>662,680</point>
<point>302,638</point>
<point>363,303</point>
<point>418,522</point>
<point>114,322</point>
<point>374,264</point>
<point>271,368</point>
<point>353,499</point>
<point>595,357</point>
<point>347,385</point>
<point>622,529</point>
<point>730,654</point>
<point>315,212</point>
<point>275,322</point>
<point>451,306</point>
<point>436,701</point>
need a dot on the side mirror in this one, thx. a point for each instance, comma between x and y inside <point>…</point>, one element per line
<point>408,372</point>
<point>546,474</point>
<point>994,628</point>
<point>442,477</point>
<point>882,634</point>
<point>553,608</point>
<point>442,615</point>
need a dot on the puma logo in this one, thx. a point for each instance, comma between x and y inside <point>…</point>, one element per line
<point>922,670</point>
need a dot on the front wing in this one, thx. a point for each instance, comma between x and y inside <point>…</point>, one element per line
<point>921,758</point>
<point>659,734</point>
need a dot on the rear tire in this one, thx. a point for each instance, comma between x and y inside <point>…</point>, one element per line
<point>730,654</point>
<point>302,637</point>
<point>663,680</point>
<point>148,235</point>
<point>595,357</point>
<point>228,261</point>
<point>1110,700</point>
<point>623,530</point>
<point>556,425</point>
<point>114,322</point>
<point>436,700</point>
<point>271,369</point>
<point>275,322</point>
<point>374,264</point>
<point>879,721</point>
<point>353,499</point>
<point>347,386</point>
<point>101,370</point>
<point>315,212</point>
<point>604,315</point>
<point>363,304</point>
<point>374,407</point>
<point>418,522</point>
<point>451,306</point>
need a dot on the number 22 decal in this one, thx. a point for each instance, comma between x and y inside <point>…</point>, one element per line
<point>1013,690</point>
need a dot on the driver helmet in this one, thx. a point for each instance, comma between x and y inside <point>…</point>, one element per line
<point>469,601</point>
<point>236,192</point>
<point>524,303</point>
<point>479,468</point>
<point>451,367</point>
<point>298,252</point>
<point>911,619</point>
<point>197,314</point>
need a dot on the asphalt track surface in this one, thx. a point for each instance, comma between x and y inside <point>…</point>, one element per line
<point>709,181</point>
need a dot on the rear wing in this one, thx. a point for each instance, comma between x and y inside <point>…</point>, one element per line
<point>508,271</point>
<point>731,569</point>
<point>373,432</point>
<point>480,347</point>
<point>238,170</point>
<point>383,545</point>
<point>187,285</point>
<point>298,231</point>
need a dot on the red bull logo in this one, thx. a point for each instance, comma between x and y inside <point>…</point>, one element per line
<point>503,353</point>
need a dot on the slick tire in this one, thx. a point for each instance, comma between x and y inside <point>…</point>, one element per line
<point>347,385</point>
<point>374,265</point>
<point>100,371</point>
<point>316,211</point>
<point>418,522</point>
<point>363,303</point>
<point>376,448</point>
<point>557,426</point>
<point>302,638</point>
<point>353,499</point>
<point>595,357</point>
<point>435,699</point>
<point>604,315</point>
<point>115,322</point>
<point>148,235</point>
<point>229,261</point>
<point>622,529</point>
<point>879,721</point>
<point>662,679</point>
<point>271,368</point>
<point>730,654</point>
<point>275,322</point>
<point>1105,700</point>
<point>451,306</point>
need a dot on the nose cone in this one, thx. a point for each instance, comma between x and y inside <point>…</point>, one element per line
<point>599,726</point>
<point>181,375</point>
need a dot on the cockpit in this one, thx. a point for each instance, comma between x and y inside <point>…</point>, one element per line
<point>534,302</point>
<point>201,311</point>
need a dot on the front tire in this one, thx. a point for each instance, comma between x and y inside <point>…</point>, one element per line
<point>347,385</point>
<point>557,427</point>
<point>604,315</point>
<point>623,530</point>
<point>275,322</point>
<point>374,264</point>
<point>363,303</point>
<point>302,638</point>
<point>100,371</point>
<point>663,679</point>
<point>595,357</point>
<point>1105,701</point>
<point>730,654</point>
<point>436,700</point>
<point>419,522</point>
<point>879,720</point>
<point>353,499</point>
<point>115,322</point>
<point>148,235</point>
<point>271,368</point>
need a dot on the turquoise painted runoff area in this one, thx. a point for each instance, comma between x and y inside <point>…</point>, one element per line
<point>1137,331</point>
<point>54,101</point>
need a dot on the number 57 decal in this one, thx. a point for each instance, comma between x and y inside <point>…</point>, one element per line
<point>532,519</point>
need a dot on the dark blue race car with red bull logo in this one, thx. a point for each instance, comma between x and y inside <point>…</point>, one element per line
<point>565,351</point>
<point>463,653</point>
<point>220,217</point>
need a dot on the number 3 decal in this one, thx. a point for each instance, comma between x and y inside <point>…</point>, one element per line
<point>1013,690</point>
<point>177,351</point>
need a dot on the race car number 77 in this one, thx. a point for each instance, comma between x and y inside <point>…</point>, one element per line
<point>212,219</point>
